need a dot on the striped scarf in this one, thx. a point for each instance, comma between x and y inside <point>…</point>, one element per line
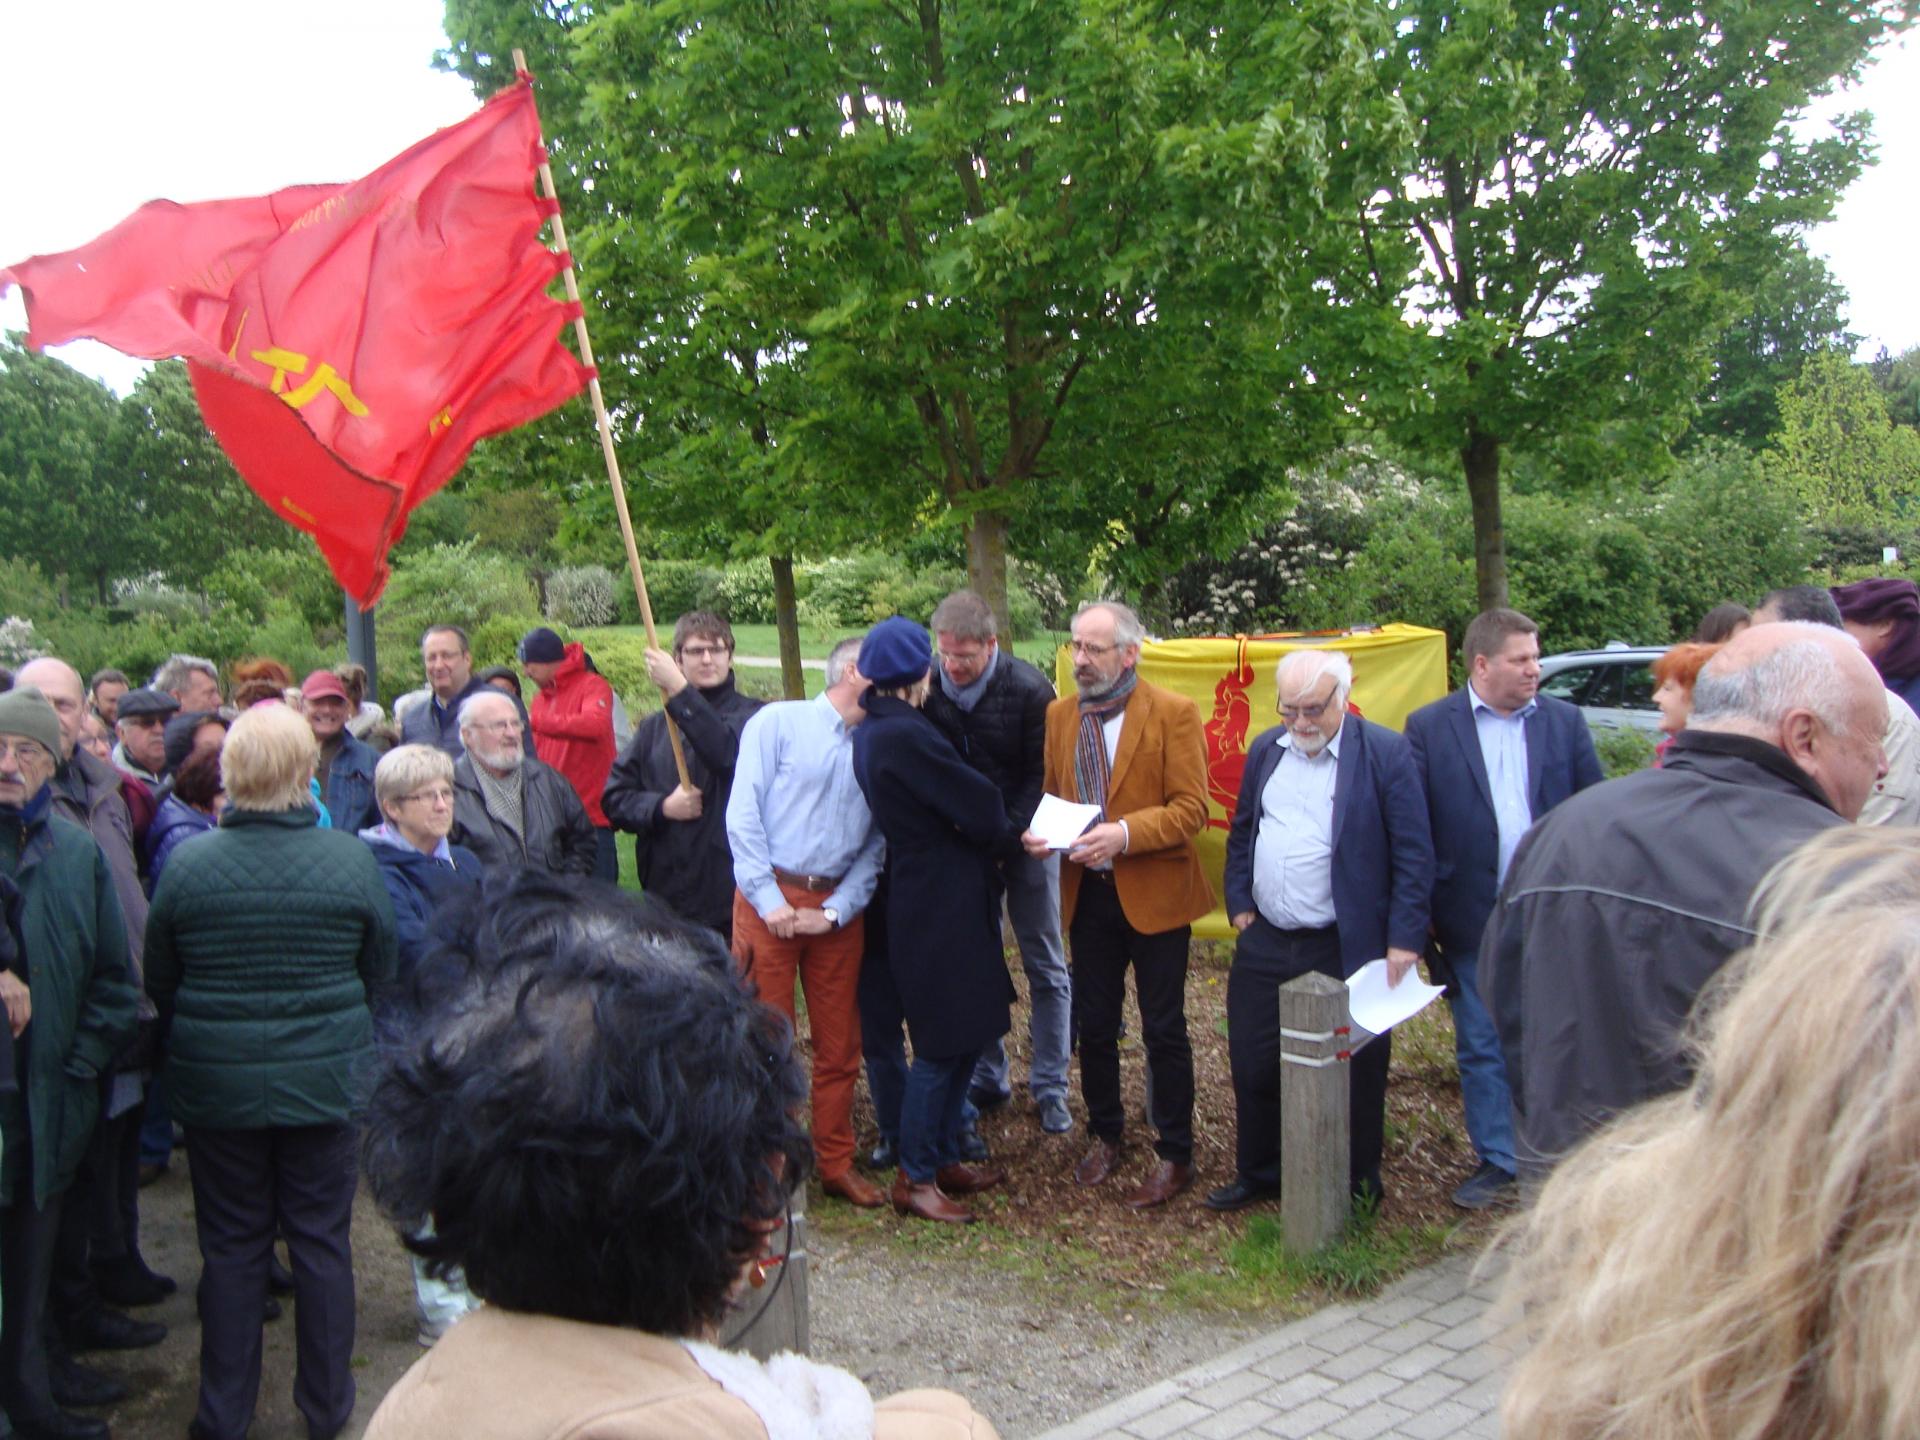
<point>1090,770</point>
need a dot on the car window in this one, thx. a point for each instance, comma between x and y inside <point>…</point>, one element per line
<point>1569,684</point>
<point>1636,687</point>
<point>1604,692</point>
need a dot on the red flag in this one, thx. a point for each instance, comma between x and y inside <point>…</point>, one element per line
<point>348,343</point>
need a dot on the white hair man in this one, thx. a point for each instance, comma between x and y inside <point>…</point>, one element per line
<point>194,682</point>
<point>1623,903</point>
<point>1329,866</point>
<point>510,809</point>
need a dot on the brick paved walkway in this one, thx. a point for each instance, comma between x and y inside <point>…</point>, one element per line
<point>1417,1362</point>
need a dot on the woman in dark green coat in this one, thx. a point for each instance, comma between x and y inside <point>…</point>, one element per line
<point>266,940</point>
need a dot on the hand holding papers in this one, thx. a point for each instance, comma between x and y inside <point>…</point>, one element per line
<point>1377,1007</point>
<point>1061,822</point>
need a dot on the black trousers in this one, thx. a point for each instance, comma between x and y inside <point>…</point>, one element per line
<point>245,1184</point>
<point>1264,959</point>
<point>1104,945</point>
<point>100,1220</point>
<point>28,1237</point>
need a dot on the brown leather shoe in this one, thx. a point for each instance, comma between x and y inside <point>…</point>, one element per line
<point>1165,1181</point>
<point>854,1189</point>
<point>1097,1164</point>
<point>963,1179</point>
<point>929,1202</point>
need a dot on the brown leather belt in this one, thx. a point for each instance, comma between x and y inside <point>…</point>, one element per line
<point>817,884</point>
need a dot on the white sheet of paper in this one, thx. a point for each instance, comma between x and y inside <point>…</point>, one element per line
<point>1377,1006</point>
<point>1061,822</point>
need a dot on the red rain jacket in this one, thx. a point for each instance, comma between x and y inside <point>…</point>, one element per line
<point>573,729</point>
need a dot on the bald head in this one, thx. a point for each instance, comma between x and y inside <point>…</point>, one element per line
<point>1807,690</point>
<point>65,691</point>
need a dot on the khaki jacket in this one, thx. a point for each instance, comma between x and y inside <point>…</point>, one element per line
<point>1159,787</point>
<point>499,1375</point>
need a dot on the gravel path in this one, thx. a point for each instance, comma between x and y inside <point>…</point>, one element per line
<point>897,1319</point>
<point>1025,1358</point>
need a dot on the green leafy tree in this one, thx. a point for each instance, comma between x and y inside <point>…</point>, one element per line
<point>1839,451</point>
<point>69,511</point>
<point>1015,270</point>
<point>1797,311</point>
<point>1590,192</point>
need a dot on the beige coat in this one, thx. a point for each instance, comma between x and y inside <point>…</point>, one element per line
<point>498,1375</point>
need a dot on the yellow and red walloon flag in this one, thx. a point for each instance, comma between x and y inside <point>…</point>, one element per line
<point>348,343</point>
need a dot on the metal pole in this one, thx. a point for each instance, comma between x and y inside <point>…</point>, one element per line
<point>360,644</point>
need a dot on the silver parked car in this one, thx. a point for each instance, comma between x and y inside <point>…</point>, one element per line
<point>1613,687</point>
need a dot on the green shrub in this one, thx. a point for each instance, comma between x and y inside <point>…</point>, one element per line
<point>581,595</point>
<point>1623,749</point>
<point>256,580</point>
<point>451,585</point>
<point>673,588</point>
<point>746,593</point>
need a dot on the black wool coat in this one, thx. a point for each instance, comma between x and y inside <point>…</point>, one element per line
<point>946,829</point>
<point>1004,737</point>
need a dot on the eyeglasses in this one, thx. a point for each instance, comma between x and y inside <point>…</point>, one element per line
<point>1291,713</point>
<point>704,652</point>
<point>496,727</point>
<point>432,795</point>
<point>1094,652</point>
<point>24,750</point>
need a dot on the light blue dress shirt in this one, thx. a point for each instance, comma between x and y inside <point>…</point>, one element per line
<point>795,804</point>
<point>1293,852</point>
<point>1503,745</point>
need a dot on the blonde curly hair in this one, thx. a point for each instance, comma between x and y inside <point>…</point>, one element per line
<point>1742,1259</point>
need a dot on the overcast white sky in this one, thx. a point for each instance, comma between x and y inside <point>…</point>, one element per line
<point>107,104</point>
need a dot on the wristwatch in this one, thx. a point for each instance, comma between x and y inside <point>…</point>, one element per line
<point>833,915</point>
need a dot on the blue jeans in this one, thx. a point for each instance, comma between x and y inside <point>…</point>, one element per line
<point>1033,905</point>
<point>932,1114</point>
<point>886,1056</point>
<point>1483,1070</point>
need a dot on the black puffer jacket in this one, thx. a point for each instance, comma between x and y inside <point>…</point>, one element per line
<point>1005,735</point>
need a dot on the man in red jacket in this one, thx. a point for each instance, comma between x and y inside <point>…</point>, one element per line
<point>572,720</point>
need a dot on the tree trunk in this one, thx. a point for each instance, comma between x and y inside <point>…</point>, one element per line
<point>1481,458</point>
<point>786,619</point>
<point>987,564</point>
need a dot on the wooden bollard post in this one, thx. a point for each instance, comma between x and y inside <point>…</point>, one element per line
<point>781,1322</point>
<point>1315,1040</point>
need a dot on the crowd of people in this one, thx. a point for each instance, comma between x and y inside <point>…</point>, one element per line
<point>236,911</point>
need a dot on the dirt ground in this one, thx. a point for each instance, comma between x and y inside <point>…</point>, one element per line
<point>1056,1306</point>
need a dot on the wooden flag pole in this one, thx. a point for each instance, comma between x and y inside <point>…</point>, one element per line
<point>606,436</point>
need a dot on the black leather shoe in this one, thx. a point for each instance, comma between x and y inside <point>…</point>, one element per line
<point>127,1281</point>
<point>272,1311</point>
<point>883,1156</point>
<point>77,1387</point>
<point>103,1328</point>
<point>973,1149</point>
<point>1237,1194</point>
<point>62,1425</point>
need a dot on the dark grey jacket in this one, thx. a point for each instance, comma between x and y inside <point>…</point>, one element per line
<point>559,838</point>
<point>103,814</point>
<point>1617,910</point>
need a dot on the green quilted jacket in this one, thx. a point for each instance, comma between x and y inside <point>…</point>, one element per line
<point>265,940</point>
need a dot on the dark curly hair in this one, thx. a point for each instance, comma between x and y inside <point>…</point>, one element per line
<point>596,1113</point>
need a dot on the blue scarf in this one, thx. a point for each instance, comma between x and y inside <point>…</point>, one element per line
<point>968,696</point>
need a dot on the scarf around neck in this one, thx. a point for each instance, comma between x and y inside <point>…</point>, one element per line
<point>1091,772</point>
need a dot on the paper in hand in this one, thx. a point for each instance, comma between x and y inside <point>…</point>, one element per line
<point>1377,1007</point>
<point>1061,822</point>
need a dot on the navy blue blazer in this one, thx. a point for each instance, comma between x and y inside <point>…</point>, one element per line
<point>1561,761</point>
<point>1382,845</point>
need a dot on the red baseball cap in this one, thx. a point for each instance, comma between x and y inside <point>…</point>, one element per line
<point>323,683</point>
